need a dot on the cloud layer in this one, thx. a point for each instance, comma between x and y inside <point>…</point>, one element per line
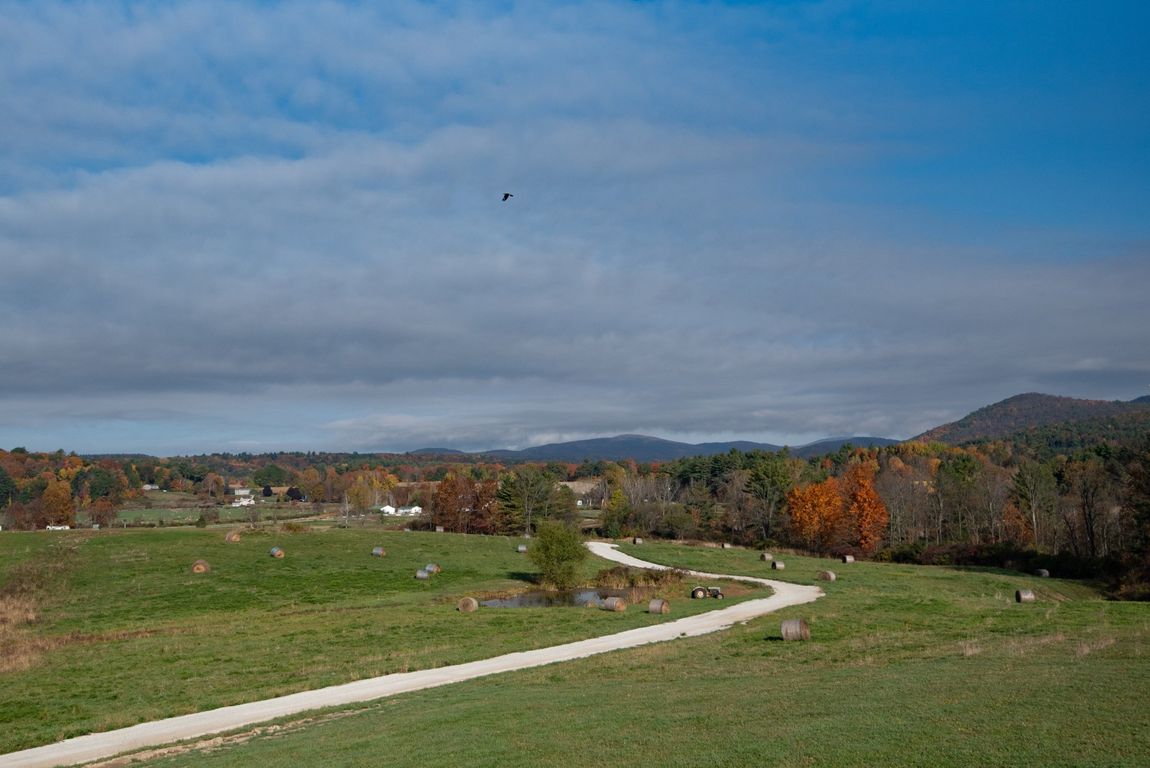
<point>274,227</point>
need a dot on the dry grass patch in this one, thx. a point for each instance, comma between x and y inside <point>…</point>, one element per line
<point>1086,647</point>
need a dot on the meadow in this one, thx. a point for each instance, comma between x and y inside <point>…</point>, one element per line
<point>907,666</point>
<point>104,629</point>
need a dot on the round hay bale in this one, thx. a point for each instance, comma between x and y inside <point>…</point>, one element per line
<point>201,566</point>
<point>796,629</point>
<point>848,558</point>
<point>439,529</point>
<point>659,606</point>
<point>277,553</point>
<point>1042,573</point>
<point>521,549</point>
<point>616,604</point>
<point>766,557</point>
<point>422,575</point>
<point>231,537</point>
<point>727,545</point>
<point>1024,596</point>
<point>826,576</point>
<point>432,568</point>
<point>378,552</point>
<point>778,565</point>
<point>637,540</point>
<point>468,605</point>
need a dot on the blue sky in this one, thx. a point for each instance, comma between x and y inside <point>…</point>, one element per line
<point>229,226</point>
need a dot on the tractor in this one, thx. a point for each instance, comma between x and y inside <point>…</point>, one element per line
<point>698,593</point>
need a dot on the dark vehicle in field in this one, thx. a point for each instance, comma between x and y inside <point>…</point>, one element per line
<point>698,593</point>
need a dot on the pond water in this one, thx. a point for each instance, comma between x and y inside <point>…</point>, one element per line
<point>580,597</point>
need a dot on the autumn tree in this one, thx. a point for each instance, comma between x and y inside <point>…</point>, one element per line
<point>466,504</point>
<point>817,514</point>
<point>214,484</point>
<point>312,486</point>
<point>57,505</point>
<point>102,512</point>
<point>865,512</point>
<point>368,488</point>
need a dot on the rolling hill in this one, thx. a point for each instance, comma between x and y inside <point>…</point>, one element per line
<point>1032,412</point>
<point>643,448</point>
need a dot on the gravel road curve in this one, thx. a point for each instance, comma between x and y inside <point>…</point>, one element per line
<point>82,749</point>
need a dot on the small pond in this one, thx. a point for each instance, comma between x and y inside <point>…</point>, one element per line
<point>580,597</point>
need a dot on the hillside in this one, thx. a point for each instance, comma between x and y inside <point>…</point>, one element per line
<point>1097,420</point>
<point>642,448</point>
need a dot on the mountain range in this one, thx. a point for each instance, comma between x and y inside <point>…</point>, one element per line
<point>643,448</point>
<point>1048,423</point>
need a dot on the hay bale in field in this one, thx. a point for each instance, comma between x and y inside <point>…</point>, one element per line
<point>637,540</point>
<point>422,575</point>
<point>231,537</point>
<point>826,576</point>
<point>659,606</point>
<point>201,566</point>
<point>277,553</point>
<point>521,549</point>
<point>796,629</point>
<point>766,557</point>
<point>1024,596</point>
<point>439,529</point>
<point>616,604</point>
<point>468,605</point>
<point>1042,573</point>
<point>778,565</point>
<point>432,568</point>
<point>378,552</point>
<point>727,545</point>
<point>848,558</point>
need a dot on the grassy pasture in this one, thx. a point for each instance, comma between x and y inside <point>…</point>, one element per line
<point>907,666</point>
<point>122,631</point>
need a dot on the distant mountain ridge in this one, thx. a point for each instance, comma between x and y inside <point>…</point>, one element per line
<point>1033,411</point>
<point>643,448</point>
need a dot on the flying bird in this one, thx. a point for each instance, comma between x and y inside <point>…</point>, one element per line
<point>507,195</point>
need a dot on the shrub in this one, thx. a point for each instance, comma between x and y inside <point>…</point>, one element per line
<point>557,553</point>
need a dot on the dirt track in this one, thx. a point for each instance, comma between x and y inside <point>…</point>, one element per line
<point>95,746</point>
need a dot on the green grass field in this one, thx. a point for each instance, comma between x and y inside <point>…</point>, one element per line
<point>127,633</point>
<point>907,666</point>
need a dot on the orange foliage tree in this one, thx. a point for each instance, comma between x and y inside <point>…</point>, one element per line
<point>817,513</point>
<point>840,512</point>
<point>865,511</point>
<point>58,506</point>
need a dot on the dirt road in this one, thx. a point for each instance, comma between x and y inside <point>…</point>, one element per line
<point>95,746</point>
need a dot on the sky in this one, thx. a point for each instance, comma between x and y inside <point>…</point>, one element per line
<point>279,226</point>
